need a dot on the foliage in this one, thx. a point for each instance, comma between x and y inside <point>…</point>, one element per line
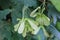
<point>29,20</point>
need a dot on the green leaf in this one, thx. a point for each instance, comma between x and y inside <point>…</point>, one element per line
<point>5,3</point>
<point>5,31</point>
<point>56,3</point>
<point>3,13</point>
<point>40,35</point>
<point>53,14</point>
<point>29,3</point>
<point>58,25</point>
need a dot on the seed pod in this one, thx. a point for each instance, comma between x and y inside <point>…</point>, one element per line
<point>42,19</point>
<point>22,26</point>
<point>34,26</point>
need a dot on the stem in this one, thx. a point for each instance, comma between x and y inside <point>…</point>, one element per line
<point>43,7</point>
<point>32,13</point>
<point>23,12</point>
<point>45,32</point>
